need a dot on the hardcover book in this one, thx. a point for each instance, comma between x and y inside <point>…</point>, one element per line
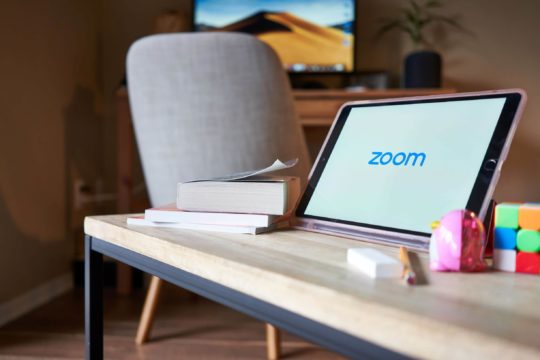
<point>251,192</point>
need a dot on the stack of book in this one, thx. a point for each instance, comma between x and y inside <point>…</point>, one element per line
<point>249,205</point>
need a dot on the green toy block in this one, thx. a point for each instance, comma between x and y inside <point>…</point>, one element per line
<point>506,215</point>
<point>528,240</point>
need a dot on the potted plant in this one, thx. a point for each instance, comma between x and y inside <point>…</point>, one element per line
<point>422,67</point>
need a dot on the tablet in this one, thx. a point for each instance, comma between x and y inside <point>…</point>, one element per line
<point>390,168</point>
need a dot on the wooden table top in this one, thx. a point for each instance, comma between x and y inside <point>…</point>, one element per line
<point>481,315</point>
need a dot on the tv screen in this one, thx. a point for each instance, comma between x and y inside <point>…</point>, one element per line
<point>308,35</point>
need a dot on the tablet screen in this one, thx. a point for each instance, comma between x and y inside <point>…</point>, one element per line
<point>401,166</point>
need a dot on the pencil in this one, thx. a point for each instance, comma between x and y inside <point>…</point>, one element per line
<point>408,273</point>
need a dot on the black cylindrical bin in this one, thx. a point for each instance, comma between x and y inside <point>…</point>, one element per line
<point>422,70</point>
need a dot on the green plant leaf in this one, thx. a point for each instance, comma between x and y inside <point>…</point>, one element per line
<point>415,6</point>
<point>433,4</point>
<point>450,21</point>
<point>390,25</point>
<point>413,19</point>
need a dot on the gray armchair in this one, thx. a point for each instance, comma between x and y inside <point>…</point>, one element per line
<point>205,105</point>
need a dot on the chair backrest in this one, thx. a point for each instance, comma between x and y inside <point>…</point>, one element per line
<point>209,104</point>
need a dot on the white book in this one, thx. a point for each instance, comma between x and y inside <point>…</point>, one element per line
<point>253,230</point>
<point>170,213</point>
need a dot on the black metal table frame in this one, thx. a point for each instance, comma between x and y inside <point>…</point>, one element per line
<point>310,330</point>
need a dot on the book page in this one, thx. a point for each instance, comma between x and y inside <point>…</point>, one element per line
<point>277,165</point>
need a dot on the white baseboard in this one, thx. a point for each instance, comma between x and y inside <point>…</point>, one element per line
<point>32,299</point>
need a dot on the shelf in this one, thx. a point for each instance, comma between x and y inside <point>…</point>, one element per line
<point>318,108</point>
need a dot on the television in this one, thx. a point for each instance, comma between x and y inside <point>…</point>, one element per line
<point>309,36</point>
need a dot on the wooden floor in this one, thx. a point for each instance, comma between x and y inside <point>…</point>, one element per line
<point>186,327</point>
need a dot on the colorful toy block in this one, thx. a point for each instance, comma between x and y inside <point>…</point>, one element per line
<point>528,240</point>
<point>528,263</point>
<point>504,238</point>
<point>517,238</point>
<point>529,217</point>
<point>504,260</point>
<point>506,215</point>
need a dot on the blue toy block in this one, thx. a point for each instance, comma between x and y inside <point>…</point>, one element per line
<point>504,238</point>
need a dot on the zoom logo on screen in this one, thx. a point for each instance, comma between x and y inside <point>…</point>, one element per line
<point>397,159</point>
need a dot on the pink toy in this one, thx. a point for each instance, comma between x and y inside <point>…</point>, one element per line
<point>457,243</point>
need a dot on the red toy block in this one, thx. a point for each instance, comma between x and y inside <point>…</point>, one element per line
<point>528,263</point>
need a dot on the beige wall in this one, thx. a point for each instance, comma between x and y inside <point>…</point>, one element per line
<point>48,73</point>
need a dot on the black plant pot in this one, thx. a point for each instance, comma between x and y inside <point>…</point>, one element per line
<point>422,70</point>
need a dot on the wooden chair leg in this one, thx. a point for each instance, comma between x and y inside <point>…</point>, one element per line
<point>149,309</point>
<point>273,342</point>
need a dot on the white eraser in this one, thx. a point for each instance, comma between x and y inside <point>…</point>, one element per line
<point>374,263</point>
<point>504,260</point>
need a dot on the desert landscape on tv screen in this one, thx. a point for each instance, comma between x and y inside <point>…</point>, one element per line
<point>301,44</point>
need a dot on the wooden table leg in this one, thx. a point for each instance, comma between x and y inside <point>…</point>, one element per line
<point>93,301</point>
<point>273,342</point>
<point>149,309</point>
